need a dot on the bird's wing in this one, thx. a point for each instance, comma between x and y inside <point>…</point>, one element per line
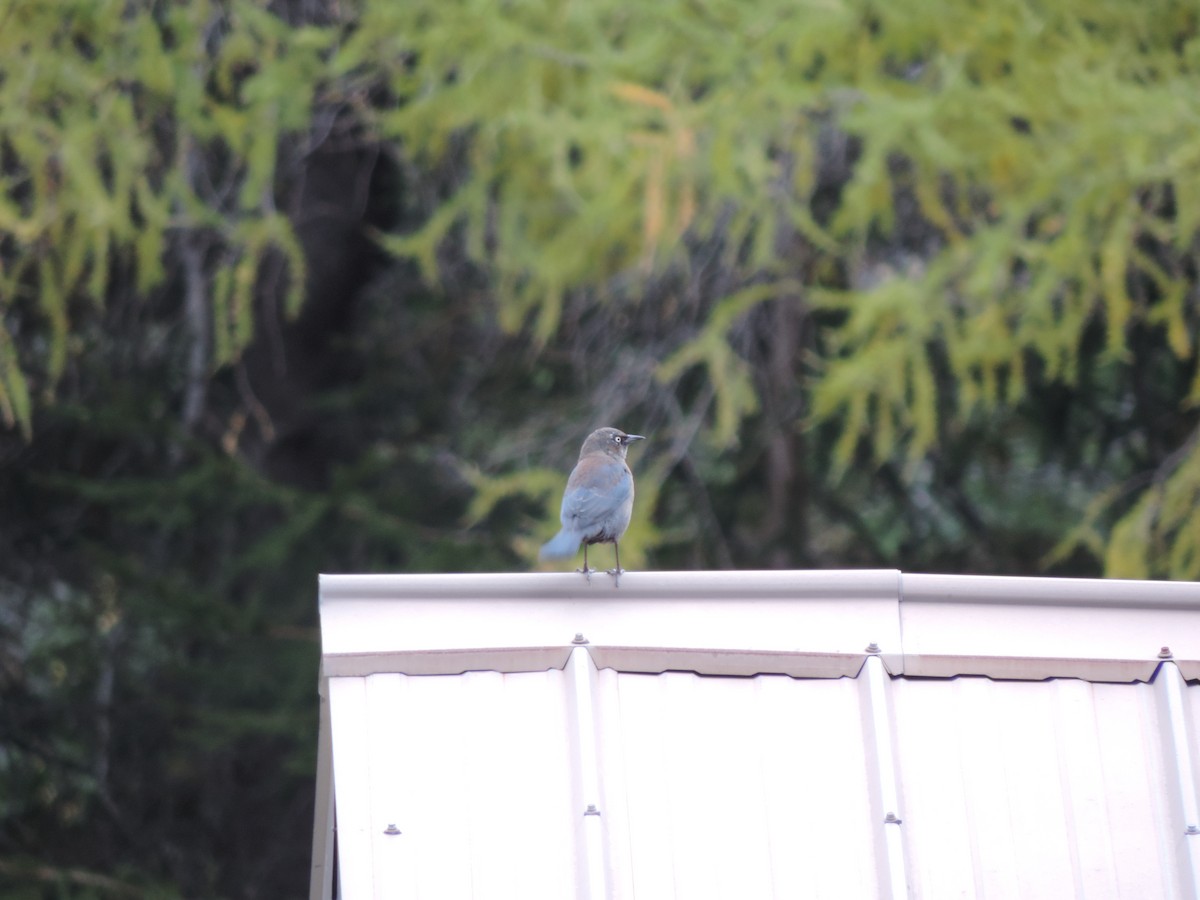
<point>588,501</point>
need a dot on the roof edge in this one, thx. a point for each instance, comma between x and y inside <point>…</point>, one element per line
<point>1011,590</point>
<point>721,584</point>
<point>908,587</point>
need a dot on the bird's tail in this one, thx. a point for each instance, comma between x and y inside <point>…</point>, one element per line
<point>562,545</point>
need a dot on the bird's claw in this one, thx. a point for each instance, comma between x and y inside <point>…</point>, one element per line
<point>587,573</point>
<point>616,574</point>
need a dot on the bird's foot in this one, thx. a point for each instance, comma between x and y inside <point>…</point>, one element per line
<point>616,574</point>
<point>587,573</point>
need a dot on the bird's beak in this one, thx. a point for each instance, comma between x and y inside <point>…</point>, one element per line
<point>635,437</point>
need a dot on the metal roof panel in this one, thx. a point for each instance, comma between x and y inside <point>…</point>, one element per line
<point>1033,789</point>
<point>643,743</point>
<point>734,787</point>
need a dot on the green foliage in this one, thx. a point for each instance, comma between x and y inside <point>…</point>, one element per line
<point>1024,171</point>
<point>1153,537</point>
<point>1047,173</point>
<point>1016,175</point>
<point>126,127</point>
<point>735,394</point>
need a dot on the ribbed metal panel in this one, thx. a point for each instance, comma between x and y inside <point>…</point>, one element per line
<point>474,773</point>
<point>711,787</point>
<point>734,787</point>
<point>584,767</point>
<point>717,787</point>
<point>1034,789</point>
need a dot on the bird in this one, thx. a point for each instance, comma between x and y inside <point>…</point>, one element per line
<point>598,499</point>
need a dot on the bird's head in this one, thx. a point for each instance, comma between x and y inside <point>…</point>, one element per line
<point>609,440</point>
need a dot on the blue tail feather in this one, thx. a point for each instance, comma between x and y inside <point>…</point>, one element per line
<point>562,545</point>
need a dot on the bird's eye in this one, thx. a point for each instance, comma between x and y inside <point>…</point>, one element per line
<point>618,438</point>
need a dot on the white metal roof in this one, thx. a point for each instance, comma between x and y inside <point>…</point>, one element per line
<point>758,734</point>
